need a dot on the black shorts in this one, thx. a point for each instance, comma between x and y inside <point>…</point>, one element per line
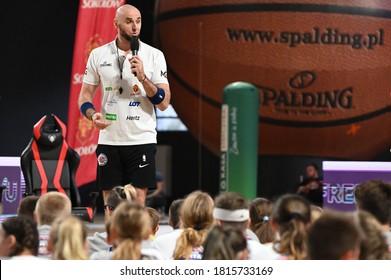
<point>121,165</point>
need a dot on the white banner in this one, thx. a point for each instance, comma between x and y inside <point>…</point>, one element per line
<point>210,270</point>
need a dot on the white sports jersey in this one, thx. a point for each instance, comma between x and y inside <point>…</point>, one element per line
<point>131,113</point>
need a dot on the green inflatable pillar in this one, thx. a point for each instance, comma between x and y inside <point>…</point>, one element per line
<point>239,139</point>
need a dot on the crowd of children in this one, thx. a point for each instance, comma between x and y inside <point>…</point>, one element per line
<point>224,227</point>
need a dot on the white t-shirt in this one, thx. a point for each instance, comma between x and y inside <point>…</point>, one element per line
<point>131,113</point>
<point>166,243</point>
<point>25,258</point>
<point>251,235</point>
<point>388,237</point>
<point>259,251</point>
<point>147,254</point>
<point>97,242</point>
<point>44,232</point>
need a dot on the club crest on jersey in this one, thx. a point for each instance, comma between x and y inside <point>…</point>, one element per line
<point>135,88</point>
<point>102,159</point>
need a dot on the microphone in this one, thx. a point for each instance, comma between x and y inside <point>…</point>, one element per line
<point>134,46</point>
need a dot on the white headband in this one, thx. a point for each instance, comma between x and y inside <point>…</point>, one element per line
<point>239,215</point>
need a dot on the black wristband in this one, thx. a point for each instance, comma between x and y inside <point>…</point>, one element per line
<point>158,97</point>
<point>85,106</point>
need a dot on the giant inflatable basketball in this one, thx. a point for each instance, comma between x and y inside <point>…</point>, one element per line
<point>322,68</point>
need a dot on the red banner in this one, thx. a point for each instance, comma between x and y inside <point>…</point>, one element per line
<point>95,27</point>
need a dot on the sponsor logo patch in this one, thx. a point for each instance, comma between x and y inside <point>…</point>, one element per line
<point>52,138</point>
<point>111,117</point>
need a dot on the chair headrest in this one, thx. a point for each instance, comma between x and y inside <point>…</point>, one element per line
<point>49,131</point>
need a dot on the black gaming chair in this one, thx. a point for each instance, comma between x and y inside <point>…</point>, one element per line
<point>49,164</point>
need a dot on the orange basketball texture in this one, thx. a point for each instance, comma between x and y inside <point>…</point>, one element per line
<point>323,70</point>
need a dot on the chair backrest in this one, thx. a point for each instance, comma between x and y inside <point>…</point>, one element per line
<point>48,163</point>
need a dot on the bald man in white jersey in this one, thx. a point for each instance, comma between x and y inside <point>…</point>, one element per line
<point>132,85</point>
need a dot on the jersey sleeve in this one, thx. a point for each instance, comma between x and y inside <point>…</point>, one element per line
<point>91,75</point>
<point>159,75</point>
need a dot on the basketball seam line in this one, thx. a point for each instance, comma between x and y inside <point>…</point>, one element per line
<point>272,7</point>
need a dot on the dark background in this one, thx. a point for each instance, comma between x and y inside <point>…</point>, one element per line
<point>38,39</point>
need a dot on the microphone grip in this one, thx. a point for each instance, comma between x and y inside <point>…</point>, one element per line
<point>134,52</point>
